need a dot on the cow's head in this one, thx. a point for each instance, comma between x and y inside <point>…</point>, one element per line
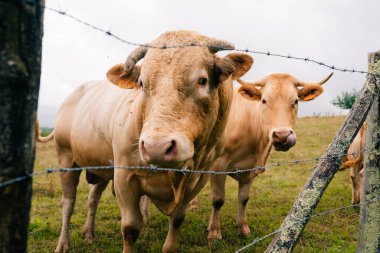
<point>278,96</point>
<point>185,91</point>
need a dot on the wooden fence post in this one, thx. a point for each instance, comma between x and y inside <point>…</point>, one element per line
<point>295,222</point>
<point>20,68</point>
<point>369,232</point>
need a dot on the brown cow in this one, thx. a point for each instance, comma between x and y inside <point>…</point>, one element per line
<point>262,115</point>
<point>171,112</point>
<point>354,160</point>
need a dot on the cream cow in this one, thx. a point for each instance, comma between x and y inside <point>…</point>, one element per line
<point>354,160</point>
<point>169,111</point>
<point>262,116</point>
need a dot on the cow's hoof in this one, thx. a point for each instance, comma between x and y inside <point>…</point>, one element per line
<point>89,237</point>
<point>193,206</point>
<point>244,231</point>
<point>169,249</point>
<point>356,205</point>
<point>214,234</point>
<point>62,248</point>
<point>89,234</point>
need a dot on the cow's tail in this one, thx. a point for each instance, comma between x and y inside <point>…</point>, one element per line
<point>39,138</point>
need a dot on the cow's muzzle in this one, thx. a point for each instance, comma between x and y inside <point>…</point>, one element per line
<point>283,140</point>
<point>168,151</point>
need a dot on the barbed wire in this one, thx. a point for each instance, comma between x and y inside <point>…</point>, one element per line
<point>257,240</point>
<point>185,170</point>
<point>107,32</point>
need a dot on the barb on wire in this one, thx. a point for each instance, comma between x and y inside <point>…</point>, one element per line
<point>257,240</point>
<point>152,168</point>
<point>268,53</point>
<point>307,59</point>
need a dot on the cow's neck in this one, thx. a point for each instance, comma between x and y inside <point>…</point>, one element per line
<point>126,129</point>
<point>252,130</point>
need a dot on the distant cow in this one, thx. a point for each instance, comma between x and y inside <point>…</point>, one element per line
<point>169,111</point>
<point>354,160</point>
<point>262,115</point>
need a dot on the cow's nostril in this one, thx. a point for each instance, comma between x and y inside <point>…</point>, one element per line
<point>143,147</point>
<point>171,148</point>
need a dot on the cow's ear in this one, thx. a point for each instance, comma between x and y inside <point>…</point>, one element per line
<point>250,92</point>
<point>234,65</point>
<point>241,62</point>
<point>118,76</point>
<point>309,92</point>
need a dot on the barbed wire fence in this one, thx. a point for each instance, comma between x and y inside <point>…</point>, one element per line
<point>334,158</point>
<point>259,169</point>
<point>247,50</point>
<point>152,168</point>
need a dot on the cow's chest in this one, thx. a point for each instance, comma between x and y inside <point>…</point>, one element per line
<point>165,194</point>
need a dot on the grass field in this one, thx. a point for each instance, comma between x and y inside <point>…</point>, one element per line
<point>272,195</point>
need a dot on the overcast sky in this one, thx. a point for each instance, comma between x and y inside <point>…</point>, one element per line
<point>337,32</point>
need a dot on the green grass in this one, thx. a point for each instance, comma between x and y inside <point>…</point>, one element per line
<point>45,131</point>
<point>272,196</point>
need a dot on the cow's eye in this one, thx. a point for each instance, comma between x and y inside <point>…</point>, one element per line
<point>264,101</point>
<point>296,102</point>
<point>140,83</point>
<point>202,81</point>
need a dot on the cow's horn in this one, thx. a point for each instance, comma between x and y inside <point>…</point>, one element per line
<point>215,45</point>
<point>257,83</point>
<point>317,83</point>
<point>134,57</point>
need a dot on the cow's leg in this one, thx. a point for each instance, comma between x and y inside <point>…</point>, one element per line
<point>94,196</point>
<point>144,208</point>
<point>69,182</point>
<point>128,198</point>
<point>176,219</point>
<point>243,197</point>
<point>355,185</point>
<point>175,222</point>
<point>218,183</point>
<point>361,177</point>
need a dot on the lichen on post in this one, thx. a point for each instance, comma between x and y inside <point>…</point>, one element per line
<point>20,68</point>
<point>369,232</point>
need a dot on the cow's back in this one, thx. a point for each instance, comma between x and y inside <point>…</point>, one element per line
<point>85,122</point>
<point>65,114</point>
<point>245,138</point>
<point>358,144</point>
<point>354,149</point>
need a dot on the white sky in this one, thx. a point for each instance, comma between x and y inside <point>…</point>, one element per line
<point>337,32</point>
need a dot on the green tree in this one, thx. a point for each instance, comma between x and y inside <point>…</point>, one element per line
<point>346,100</point>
